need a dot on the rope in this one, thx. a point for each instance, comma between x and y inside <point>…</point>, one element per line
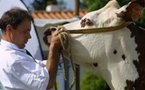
<point>64,40</point>
<point>97,30</point>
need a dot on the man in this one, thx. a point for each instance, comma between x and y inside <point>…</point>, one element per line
<point>18,70</point>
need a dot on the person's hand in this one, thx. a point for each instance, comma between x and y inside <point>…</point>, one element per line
<point>59,38</point>
<point>55,38</point>
<point>47,35</point>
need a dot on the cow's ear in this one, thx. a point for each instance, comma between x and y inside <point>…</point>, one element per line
<point>131,12</point>
<point>134,10</point>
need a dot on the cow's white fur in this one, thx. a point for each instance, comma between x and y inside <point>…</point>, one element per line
<point>87,49</point>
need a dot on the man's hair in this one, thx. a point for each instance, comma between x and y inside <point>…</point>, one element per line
<point>14,17</point>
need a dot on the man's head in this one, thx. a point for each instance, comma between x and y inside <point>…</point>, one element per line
<point>16,25</point>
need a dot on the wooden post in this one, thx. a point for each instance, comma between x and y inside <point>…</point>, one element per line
<point>66,67</point>
<point>77,77</point>
<point>77,2</point>
<point>77,73</point>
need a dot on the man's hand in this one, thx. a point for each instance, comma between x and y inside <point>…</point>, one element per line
<point>59,39</point>
<point>47,35</point>
<point>56,36</point>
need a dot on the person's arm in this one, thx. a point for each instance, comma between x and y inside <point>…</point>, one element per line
<point>53,58</point>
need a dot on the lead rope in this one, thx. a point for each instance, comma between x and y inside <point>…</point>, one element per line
<point>64,39</point>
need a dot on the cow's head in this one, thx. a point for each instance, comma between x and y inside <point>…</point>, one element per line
<point>112,14</point>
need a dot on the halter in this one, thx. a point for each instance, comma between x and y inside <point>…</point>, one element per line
<point>98,30</point>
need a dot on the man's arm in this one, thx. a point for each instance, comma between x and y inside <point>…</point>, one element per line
<point>53,58</point>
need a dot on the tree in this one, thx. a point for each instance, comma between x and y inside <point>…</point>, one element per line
<point>97,4</point>
<point>141,21</point>
<point>92,5</point>
<point>93,82</point>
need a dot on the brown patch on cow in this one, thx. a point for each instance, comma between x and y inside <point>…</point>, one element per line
<point>130,85</point>
<point>139,34</point>
<point>87,22</point>
<point>123,57</point>
<point>137,51</point>
<point>131,35</point>
<point>121,14</point>
<point>115,51</point>
<point>95,64</point>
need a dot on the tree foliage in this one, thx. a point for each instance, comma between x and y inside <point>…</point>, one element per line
<point>92,5</point>
<point>92,82</point>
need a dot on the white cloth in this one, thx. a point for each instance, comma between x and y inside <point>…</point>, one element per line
<point>19,71</point>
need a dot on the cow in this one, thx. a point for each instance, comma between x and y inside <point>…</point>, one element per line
<point>118,55</point>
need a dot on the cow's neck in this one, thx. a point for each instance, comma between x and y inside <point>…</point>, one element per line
<point>136,82</point>
<point>139,35</point>
<point>136,74</point>
<point>121,53</point>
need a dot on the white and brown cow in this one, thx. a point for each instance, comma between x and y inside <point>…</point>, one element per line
<point>118,56</point>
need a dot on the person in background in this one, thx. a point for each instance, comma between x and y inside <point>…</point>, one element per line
<point>18,69</point>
